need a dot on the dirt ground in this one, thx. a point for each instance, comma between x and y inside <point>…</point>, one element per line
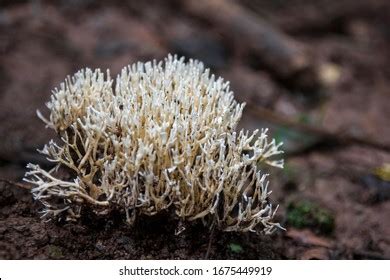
<point>333,115</point>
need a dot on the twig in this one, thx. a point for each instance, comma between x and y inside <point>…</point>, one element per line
<point>20,185</point>
<point>210,242</point>
<point>325,137</point>
<point>280,53</point>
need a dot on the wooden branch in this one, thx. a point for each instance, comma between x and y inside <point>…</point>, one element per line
<point>283,56</point>
<point>326,137</point>
<point>16,184</point>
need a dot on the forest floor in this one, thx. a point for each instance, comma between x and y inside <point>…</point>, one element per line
<point>316,72</point>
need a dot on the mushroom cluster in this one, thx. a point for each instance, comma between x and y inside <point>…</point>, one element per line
<point>161,136</point>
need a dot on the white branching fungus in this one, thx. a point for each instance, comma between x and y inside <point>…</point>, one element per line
<point>162,136</point>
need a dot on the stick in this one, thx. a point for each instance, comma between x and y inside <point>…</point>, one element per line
<point>283,56</point>
<point>20,185</point>
<point>326,137</point>
<point>210,242</point>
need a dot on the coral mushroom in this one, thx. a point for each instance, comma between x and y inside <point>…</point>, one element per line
<point>162,136</point>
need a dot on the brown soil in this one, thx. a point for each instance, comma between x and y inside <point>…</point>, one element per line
<point>43,41</point>
<point>25,236</point>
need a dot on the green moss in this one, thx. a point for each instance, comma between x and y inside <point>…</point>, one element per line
<point>307,214</point>
<point>55,252</point>
<point>304,118</point>
<point>235,248</point>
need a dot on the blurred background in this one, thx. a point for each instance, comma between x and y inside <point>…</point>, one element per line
<point>315,72</point>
